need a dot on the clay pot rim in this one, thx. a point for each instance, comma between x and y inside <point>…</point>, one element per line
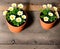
<point>22,24</point>
<point>47,23</point>
<point>16,26</point>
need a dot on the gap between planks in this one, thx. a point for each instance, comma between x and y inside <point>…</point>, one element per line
<point>26,7</point>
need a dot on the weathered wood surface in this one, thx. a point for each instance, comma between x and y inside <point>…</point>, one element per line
<point>27,7</point>
<point>30,1</point>
<point>33,32</point>
<point>29,46</point>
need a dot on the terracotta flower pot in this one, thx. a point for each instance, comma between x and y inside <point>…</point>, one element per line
<point>46,26</point>
<point>15,29</point>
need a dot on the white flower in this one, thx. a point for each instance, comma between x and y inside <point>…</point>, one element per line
<point>49,5</point>
<point>10,8</point>
<point>55,8</point>
<point>4,13</point>
<point>44,6</point>
<point>57,14</point>
<point>24,16</point>
<point>12,17</point>
<point>13,5</point>
<point>18,19</point>
<point>46,18</point>
<point>19,13</point>
<point>50,14</point>
<point>20,6</point>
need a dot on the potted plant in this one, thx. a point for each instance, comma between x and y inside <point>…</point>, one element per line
<point>15,17</point>
<point>48,16</point>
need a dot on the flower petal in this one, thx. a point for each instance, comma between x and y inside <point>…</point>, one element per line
<point>19,13</point>
<point>57,14</point>
<point>44,6</point>
<point>18,19</point>
<point>20,6</point>
<point>10,8</point>
<point>46,18</point>
<point>4,13</point>
<point>13,4</point>
<point>24,16</point>
<point>12,17</point>
<point>50,14</point>
<point>55,8</point>
<point>49,5</point>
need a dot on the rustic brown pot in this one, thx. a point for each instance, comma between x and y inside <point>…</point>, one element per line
<point>15,29</point>
<point>46,26</point>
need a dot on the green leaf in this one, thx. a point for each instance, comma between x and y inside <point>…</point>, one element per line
<point>45,11</point>
<point>13,22</point>
<point>42,16</point>
<point>17,24</point>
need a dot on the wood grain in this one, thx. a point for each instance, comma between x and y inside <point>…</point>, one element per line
<point>29,46</point>
<point>33,33</point>
<point>29,7</point>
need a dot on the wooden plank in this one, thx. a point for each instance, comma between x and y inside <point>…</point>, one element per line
<point>30,1</point>
<point>29,7</point>
<point>51,36</point>
<point>32,34</point>
<point>26,7</point>
<point>29,46</point>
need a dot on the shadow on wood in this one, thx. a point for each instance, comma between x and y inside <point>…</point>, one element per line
<point>30,16</point>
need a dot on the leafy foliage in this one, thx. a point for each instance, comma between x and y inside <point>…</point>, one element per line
<point>14,12</point>
<point>44,13</point>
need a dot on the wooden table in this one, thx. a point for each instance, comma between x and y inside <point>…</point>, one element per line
<point>33,34</point>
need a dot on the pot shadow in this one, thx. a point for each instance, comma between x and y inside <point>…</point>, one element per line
<point>57,22</point>
<point>30,17</point>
